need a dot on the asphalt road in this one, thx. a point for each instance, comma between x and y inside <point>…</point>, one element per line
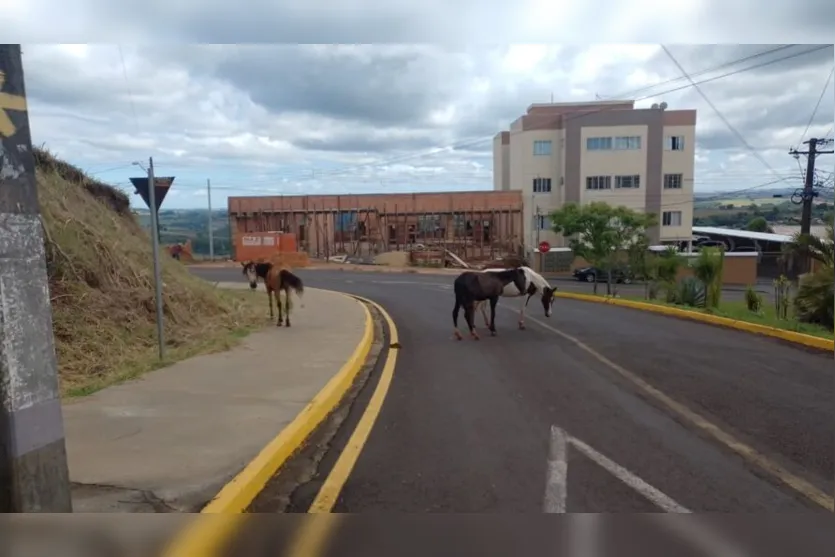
<point>469,427</point>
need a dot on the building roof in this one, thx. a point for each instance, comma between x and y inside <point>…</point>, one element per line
<point>733,233</point>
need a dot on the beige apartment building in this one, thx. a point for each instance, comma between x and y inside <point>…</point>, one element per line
<point>608,151</point>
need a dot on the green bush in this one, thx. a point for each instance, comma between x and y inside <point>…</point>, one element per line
<point>753,300</point>
<point>814,300</point>
<point>708,268</point>
<point>690,292</point>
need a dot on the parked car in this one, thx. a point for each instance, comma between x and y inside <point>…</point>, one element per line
<point>592,274</point>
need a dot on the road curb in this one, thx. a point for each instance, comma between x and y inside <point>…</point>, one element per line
<point>788,336</point>
<point>206,534</point>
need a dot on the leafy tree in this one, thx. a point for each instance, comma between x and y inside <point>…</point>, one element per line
<point>601,233</point>
<point>758,224</point>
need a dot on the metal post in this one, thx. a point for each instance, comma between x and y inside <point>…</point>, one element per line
<point>152,203</point>
<point>33,458</point>
<point>211,231</point>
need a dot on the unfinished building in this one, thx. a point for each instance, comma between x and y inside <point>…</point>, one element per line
<point>473,226</point>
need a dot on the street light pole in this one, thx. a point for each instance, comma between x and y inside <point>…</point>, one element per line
<point>211,231</point>
<point>152,202</point>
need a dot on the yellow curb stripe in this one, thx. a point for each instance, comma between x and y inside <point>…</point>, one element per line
<point>789,336</point>
<point>238,494</point>
<point>311,540</point>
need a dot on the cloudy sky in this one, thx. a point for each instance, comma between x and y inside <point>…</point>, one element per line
<point>278,119</point>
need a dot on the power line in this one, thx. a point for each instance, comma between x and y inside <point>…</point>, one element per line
<point>817,104</point>
<point>127,83</point>
<point>708,70</point>
<point>718,113</point>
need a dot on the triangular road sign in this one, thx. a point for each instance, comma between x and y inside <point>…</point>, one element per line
<point>163,184</point>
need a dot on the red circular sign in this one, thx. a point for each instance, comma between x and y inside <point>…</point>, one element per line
<point>544,247</point>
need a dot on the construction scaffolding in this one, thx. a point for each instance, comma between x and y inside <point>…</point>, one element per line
<point>456,238</point>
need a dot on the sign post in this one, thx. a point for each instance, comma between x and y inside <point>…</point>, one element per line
<point>153,197</point>
<point>544,247</point>
<point>34,476</point>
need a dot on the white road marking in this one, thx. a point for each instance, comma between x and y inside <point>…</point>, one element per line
<point>650,493</point>
<point>555,482</point>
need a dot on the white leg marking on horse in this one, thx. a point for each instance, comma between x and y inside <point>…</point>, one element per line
<point>555,482</point>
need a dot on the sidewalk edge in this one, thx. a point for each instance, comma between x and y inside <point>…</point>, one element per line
<point>205,534</point>
<point>788,336</point>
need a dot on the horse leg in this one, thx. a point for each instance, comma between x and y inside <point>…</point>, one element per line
<point>493,301</point>
<point>469,315</point>
<point>455,318</point>
<point>522,313</point>
<point>287,301</point>
<point>278,305</point>
<point>484,313</point>
<point>270,301</point>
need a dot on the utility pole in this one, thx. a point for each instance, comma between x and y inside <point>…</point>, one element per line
<point>33,458</point>
<point>152,205</point>
<point>808,194</point>
<point>211,232</point>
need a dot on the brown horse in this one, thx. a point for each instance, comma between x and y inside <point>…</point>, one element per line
<point>277,279</point>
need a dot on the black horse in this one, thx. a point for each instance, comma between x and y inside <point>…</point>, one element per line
<point>473,287</point>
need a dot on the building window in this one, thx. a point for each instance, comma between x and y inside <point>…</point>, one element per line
<point>674,143</point>
<point>599,183</point>
<point>541,185</point>
<point>671,218</point>
<point>672,181</point>
<point>598,143</point>
<point>631,143</point>
<point>628,182</point>
<point>542,148</point>
<point>543,222</point>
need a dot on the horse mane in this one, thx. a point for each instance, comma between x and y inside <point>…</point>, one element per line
<point>536,278</point>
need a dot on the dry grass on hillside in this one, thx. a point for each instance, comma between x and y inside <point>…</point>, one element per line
<point>101,283</point>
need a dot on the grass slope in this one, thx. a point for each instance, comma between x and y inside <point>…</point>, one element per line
<point>101,286</point>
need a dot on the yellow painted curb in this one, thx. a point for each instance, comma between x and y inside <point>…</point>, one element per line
<point>205,535</point>
<point>789,336</point>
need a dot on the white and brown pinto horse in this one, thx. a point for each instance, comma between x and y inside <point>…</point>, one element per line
<point>534,284</point>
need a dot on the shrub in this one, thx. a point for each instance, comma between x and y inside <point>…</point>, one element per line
<point>782,290</point>
<point>814,300</point>
<point>708,268</point>
<point>753,300</point>
<point>690,292</point>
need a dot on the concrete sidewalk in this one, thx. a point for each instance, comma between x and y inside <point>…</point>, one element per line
<point>169,441</point>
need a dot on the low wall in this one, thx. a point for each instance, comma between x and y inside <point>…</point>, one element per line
<point>740,268</point>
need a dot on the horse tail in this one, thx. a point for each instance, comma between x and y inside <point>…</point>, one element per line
<point>293,282</point>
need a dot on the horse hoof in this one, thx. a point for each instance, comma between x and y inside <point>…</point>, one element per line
<point>457,336</point>
<point>492,333</point>
<point>278,324</point>
<point>522,326</point>
<point>476,337</point>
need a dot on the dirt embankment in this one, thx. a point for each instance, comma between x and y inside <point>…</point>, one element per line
<point>101,287</point>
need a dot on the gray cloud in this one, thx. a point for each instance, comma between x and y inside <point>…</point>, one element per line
<point>276,112</point>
